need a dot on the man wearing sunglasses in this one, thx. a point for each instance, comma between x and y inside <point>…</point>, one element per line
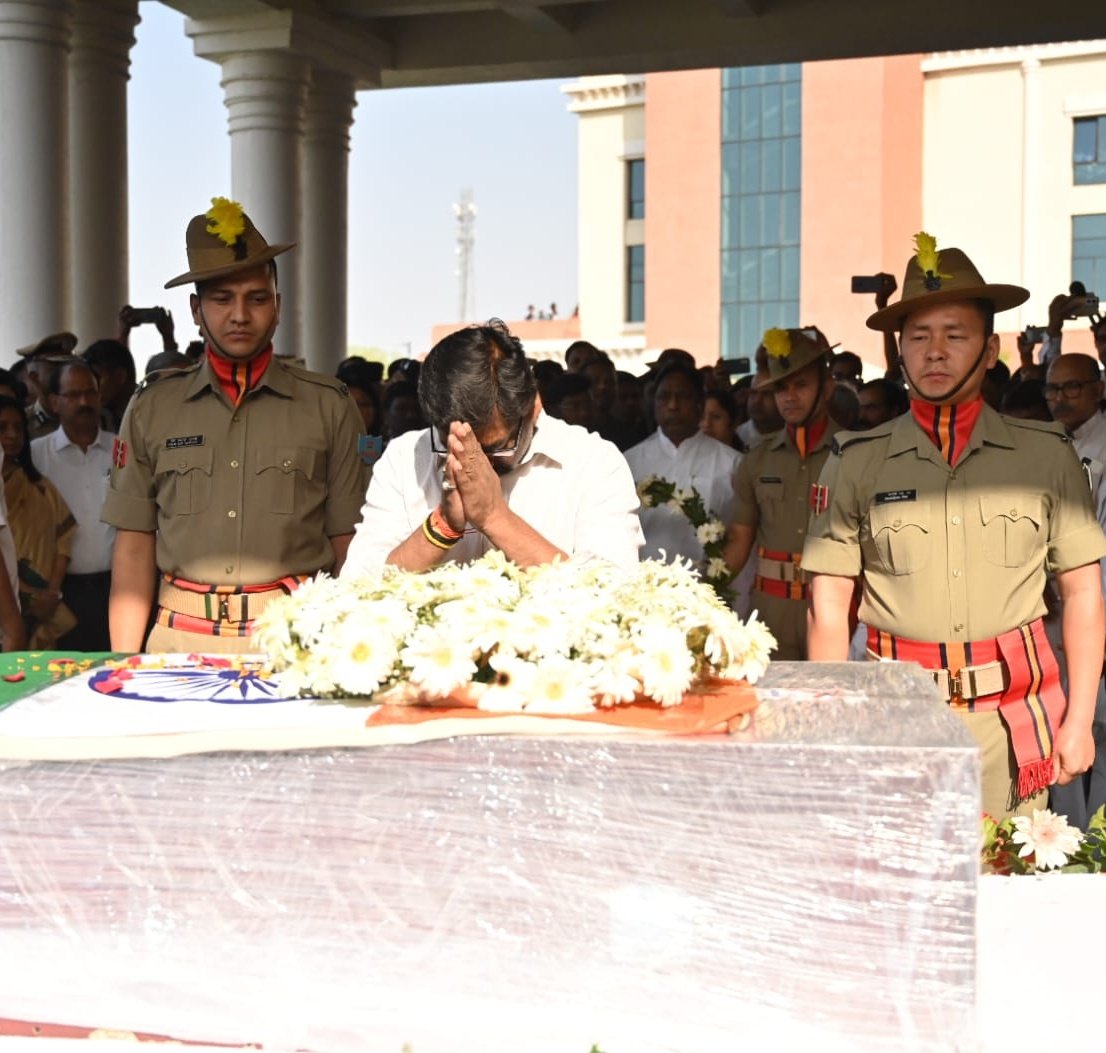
<point>493,471</point>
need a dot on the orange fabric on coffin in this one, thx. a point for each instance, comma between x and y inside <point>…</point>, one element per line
<point>709,710</point>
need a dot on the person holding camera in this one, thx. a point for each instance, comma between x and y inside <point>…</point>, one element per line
<point>235,479</point>
<point>1075,303</point>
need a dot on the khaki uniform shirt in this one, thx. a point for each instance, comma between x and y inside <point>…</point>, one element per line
<point>772,489</point>
<point>954,554</point>
<point>772,493</point>
<point>239,496</point>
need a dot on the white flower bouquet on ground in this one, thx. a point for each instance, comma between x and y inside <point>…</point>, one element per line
<point>560,638</point>
<point>1032,844</point>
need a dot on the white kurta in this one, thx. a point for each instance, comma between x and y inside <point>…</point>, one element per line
<point>700,462</point>
<point>572,487</point>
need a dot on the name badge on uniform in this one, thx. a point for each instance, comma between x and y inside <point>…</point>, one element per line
<point>180,441</point>
<point>889,497</point>
<point>771,479</point>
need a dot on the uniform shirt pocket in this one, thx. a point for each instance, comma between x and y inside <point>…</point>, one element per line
<point>768,489</point>
<point>900,536</point>
<point>288,476</point>
<point>1011,522</point>
<point>183,480</point>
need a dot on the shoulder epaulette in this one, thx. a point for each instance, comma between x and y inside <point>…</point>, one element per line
<point>163,374</point>
<point>844,439</point>
<point>322,379</point>
<point>1049,427</point>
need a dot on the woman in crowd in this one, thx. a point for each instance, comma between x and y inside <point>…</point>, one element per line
<point>719,419</point>
<point>42,527</point>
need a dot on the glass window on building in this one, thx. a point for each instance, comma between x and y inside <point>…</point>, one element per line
<point>635,188</point>
<point>1088,252</point>
<point>1089,150</point>
<point>635,283</point>
<point>761,159</point>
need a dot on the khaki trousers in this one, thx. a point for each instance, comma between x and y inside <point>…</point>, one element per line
<point>1000,770</point>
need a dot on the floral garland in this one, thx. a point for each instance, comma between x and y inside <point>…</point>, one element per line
<point>557,638</point>
<point>1044,841</point>
<point>654,491</point>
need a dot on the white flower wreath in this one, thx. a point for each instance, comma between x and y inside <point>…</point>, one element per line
<point>654,491</point>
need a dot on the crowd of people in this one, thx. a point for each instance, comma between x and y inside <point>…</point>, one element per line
<point>948,512</point>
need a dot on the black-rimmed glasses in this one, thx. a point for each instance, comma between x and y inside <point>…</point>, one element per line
<point>1070,389</point>
<point>496,452</point>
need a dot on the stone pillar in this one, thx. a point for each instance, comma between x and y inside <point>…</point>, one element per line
<point>265,94</point>
<point>99,67</point>
<point>1032,263</point>
<point>325,253</point>
<point>34,38</point>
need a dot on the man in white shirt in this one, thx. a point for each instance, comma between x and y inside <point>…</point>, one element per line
<point>77,460</point>
<point>680,453</point>
<point>492,471</point>
<point>1074,390</point>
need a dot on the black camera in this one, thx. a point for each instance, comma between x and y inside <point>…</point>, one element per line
<point>873,283</point>
<point>146,315</point>
<point>1083,304</point>
<point>736,367</point>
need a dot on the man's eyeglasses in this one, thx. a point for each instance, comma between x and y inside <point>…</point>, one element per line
<point>498,452</point>
<point>1070,389</point>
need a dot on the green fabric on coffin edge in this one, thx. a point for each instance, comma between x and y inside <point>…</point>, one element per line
<point>25,672</point>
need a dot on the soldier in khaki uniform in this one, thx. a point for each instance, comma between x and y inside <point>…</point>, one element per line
<point>773,485</point>
<point>950,517</point>
<point>236,478</point>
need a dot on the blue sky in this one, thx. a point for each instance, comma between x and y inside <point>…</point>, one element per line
<point>412,152</point>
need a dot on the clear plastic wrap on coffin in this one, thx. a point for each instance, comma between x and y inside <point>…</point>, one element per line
<point>809,881</point>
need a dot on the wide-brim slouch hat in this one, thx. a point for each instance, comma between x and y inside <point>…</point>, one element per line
<point>947,276</point>
<point>55,344</point>
<point>790,350</point>
<point>223,241</point>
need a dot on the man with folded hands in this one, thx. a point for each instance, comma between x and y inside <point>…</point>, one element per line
<point>493,471</point>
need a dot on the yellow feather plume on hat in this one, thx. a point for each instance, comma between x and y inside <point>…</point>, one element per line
<point>929,259</point>
<point>226,219</point>
<point>777,342</point>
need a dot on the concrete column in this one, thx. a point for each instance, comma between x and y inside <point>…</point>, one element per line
<point>99,67</point>
<point>1032,263</point>
<point>34,248</point>
<point>265,95</point>
<point>325,254</point>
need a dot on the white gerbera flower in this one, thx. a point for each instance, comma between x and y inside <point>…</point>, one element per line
<point>665,666</point>
<point>363,660</point>
<point>717,568</point>
<point>272,633</point>
<point>508,692</point>
<point>439,662</point>
<point>537,629</point>
<point>1048,837</point>
<point>710,531</point>
<point>559,685</point>
<point>387,616</point>
<point>613,679</point>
